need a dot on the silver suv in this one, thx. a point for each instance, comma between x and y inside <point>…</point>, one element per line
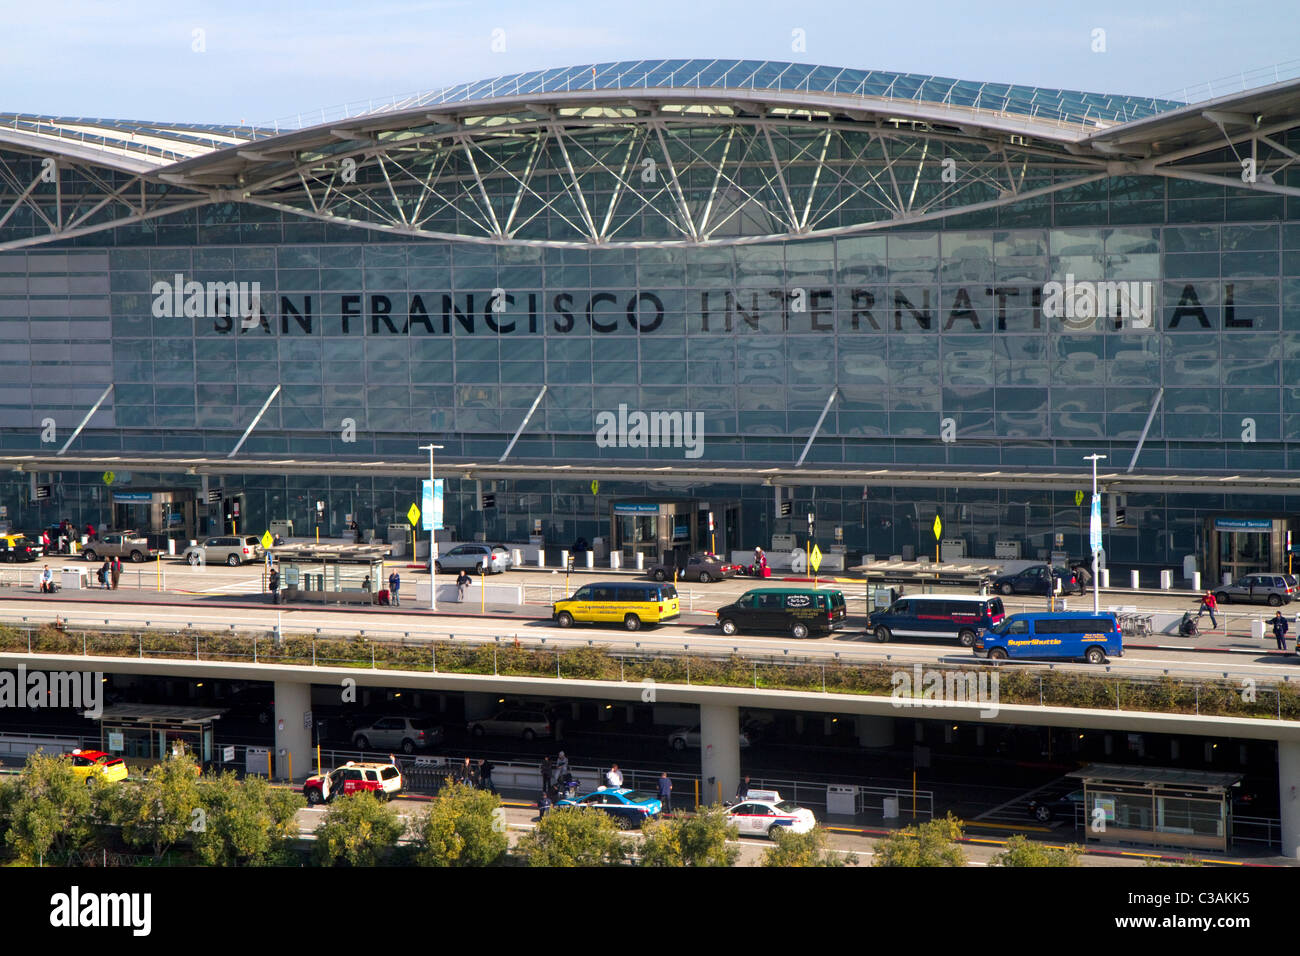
<point>233,550</point>
<point>1272,589</point>
<point>495,559</point>
<point>515,722</point>
<point>120,544</point>
<point>390,733</point>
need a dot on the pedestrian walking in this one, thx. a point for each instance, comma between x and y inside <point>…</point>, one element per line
<point>467,773</point>
<point>543,804</point>
<point>546,773</point>
<point>1280,628</point>
<point>273,582</point>
<point>45,542</point>
<point>614,778</point>
<point>665,792</point>
<point>462,582</point>
<point>90,532</point>
<point>104,575</point>
<point>561,767</point>
<point>742,790</point>
<point>1208,606</point>
<point>485,775</point>
<point>394,585</point>
<point>116,571</point>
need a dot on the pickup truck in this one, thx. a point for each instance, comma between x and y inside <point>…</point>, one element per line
<point>120,544</point>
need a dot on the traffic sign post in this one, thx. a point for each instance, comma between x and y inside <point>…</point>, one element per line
<point>938,529</point>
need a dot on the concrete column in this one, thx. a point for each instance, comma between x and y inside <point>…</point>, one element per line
<point>1288,776</point>
<point>875,731</point>
<point>292,702</point>
<point>719,752</point>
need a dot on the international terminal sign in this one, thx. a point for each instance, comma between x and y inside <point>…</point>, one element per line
<point>1065,306</point>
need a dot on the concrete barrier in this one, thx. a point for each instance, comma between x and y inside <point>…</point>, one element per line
<point>447,593</point>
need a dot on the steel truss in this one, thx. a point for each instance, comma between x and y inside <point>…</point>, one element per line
<point>632,172</point>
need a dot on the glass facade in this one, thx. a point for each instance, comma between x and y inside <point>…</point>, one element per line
<point>1020,336</point>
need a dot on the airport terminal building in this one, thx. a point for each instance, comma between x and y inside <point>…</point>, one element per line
<point>622,297</point>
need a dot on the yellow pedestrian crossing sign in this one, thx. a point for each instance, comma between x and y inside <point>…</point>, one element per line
<point>267,540</point>
<point>938,527</point>
<point>1078,498</point>
<point>815,559</point>
<point>413,515</point>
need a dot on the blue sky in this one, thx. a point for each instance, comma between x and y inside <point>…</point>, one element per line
<point>268,60</point>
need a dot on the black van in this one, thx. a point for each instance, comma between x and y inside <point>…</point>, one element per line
<point>936,615</point>
<point>797,611</point>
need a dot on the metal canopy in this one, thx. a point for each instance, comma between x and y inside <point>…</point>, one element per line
<point>650,153</point>
<point>1102,774</point>
<point>719,474</point>
<point>160,713</point>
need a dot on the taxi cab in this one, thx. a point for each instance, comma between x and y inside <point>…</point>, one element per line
<point>92,764</point>
<point>16,547</point>
<point>629,604</point>
<point>384,780</point>
<point>763,812</point>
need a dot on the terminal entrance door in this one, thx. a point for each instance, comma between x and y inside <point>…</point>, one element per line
<point>1241,546</point>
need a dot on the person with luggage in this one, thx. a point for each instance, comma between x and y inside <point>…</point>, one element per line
<point>47,581</point>
<point>1208,606</point>
<point>1280,628</point>
<point>104,575</point>
<point>394,585</point>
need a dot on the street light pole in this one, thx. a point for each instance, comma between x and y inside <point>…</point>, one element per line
<point>1096,577</point>
<point>433,547</point>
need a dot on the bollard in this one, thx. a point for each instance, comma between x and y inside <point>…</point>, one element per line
<point>1196,580</point>
<point>616,559</point>
<point>640,561</point>
<point>1227,578</point>
<point>591,559</point>
<point>541,557</point>
<point>1133,580</point>
<point>564,558</point>
<point>1166,580</point>
<point>1103,578</point>
<point>516,558</point>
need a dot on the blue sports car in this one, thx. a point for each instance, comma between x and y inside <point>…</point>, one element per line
<point>626,806</point>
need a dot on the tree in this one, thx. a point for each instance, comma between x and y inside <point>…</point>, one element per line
<point>804,849</point>
<point>574,836</point>
<point>54,809</point>
<point>358,831</point>
<point>464,827</point>
<point>160,810</point>
<point>696,840</point>
<point>929,844</point>
<point>245,824</point>
<point>1023,852</point>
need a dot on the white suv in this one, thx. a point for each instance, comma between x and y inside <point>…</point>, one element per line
<point>233,550</point>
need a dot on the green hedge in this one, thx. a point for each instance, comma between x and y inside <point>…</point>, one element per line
<point>1016,686</point>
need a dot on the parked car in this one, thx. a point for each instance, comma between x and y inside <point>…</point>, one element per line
<point>120,544</point>
<point>384,780</point>
<point>1271,589</point>
<point>233,550</point>
<point>515,722</point>
<point>628,807</point>
<point>684,737</point>
<point>494,559</point>
<point>703,567</point>
<point>1034,580</point>
<point>390,733</point>
<point>1068,806</point>
<point>763,812</point>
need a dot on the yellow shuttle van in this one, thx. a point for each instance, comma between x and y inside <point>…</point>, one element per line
<point>629,604</point>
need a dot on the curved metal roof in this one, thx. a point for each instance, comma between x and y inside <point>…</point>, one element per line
<point>771,75</point>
